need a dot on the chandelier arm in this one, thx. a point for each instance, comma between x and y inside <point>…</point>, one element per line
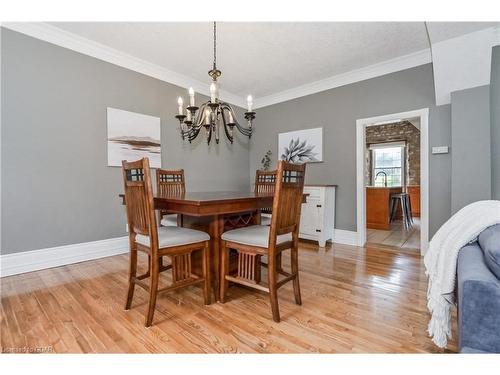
<point>201,114</point>
<point>216,130</point>
<point>194,134</point>
<point>187,132</point>
<point>209,135</point>
<point>226,130</point>
<point>242,130</point>
<point>245,131</point>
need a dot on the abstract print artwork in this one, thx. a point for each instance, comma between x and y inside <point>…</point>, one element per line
<point>301,146</point>
<point>132,136</point>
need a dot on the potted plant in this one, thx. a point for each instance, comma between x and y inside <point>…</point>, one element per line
<point>266,161</point>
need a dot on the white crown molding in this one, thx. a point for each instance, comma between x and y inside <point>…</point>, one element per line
<point>372,71</point>
<point>57,36</point>
<point>62,38</point>
<point>346,237</point>
<point>28,261</point>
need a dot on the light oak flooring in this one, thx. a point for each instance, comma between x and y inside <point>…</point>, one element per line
<point>397,237</point>
<point>355,300</point>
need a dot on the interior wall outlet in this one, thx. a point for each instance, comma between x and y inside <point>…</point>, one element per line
<point>440,150</point>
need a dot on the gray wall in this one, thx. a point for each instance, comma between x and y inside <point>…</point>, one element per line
<point>336,111</point>
<point>495,122</point>
<point>470,142</point>
<point>56,187</point>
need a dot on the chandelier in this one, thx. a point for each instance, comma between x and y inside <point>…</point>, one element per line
<point>211,114</point>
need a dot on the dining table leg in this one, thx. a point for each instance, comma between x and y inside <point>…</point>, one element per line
<point>216,228</point>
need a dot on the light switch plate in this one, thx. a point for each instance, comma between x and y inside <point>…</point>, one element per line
<point>440,150</point>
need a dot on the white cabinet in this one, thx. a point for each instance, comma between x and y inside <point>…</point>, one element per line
<point>317,218</point>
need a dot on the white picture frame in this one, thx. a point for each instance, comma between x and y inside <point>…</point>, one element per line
<point>133,136</point>
<point>301,146</point>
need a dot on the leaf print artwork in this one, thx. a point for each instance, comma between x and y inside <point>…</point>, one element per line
<point>299,152</point>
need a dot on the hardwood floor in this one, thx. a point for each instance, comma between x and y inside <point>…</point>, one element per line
<point>355,300</point>
<point>397,236</point>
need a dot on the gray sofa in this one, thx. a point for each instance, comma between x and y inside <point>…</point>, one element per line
<point>478,288</point>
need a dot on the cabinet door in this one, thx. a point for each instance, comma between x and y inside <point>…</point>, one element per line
<point>414,192</point>
<point>310,219</point>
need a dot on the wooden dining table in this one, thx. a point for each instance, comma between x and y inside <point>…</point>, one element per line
<point>215,212</point>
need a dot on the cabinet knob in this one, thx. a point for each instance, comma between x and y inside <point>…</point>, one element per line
<point>319,206</point>
<point>318,230</point>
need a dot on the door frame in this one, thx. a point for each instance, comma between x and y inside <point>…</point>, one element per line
<point>361,124</point>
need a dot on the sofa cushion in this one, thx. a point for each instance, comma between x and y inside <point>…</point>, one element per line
<point>489,240</point>
<point>478,301</point>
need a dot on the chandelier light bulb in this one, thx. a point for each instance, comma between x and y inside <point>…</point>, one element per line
<point>180,102</point>
<point>249,103</point>
<point>213,92</point>
<point>207,116</point>
<point>191,97</point>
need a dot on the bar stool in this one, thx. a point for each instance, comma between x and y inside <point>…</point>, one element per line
<point>404,201</point>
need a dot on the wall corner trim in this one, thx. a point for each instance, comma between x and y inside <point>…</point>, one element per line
<point>345,237</point>
<point>496,36</point>
<point>28,261</point>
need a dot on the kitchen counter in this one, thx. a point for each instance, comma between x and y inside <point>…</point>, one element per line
<point>377,206</point>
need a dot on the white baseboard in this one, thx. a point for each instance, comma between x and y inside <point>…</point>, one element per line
<point>28,261</point>
<point>345,237</point>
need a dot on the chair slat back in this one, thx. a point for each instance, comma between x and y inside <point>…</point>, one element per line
<point>168,183</point>
<point>139,197</point>
<point>287,199</point>
<point>265,182</point>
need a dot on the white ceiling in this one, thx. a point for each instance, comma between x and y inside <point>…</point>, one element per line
<point>267,58</point>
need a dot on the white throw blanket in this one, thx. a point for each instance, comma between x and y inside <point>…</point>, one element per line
<point>441,261</point>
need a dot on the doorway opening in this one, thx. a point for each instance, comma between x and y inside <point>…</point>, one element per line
<point>392,180</point>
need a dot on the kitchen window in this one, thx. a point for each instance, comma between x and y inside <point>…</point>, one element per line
<point>388,164</point>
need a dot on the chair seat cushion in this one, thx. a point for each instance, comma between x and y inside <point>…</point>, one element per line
<point>174,236</point>
<point>169,220</point>
<point>254,235</point>
<point>265,219</point>
<point>489,239</point>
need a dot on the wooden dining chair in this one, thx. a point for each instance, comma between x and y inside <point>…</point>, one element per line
<point>170,182</point>
<point>252,242</point>
<point>265,182</point>
<point>177,243</point>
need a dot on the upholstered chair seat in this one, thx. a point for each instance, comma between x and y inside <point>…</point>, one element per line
<point>254,235</point>
<point>174,236</point>
<point>169,220</point>
<point>265,219</point>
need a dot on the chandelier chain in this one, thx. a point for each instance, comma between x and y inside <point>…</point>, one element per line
<point>215,45</point>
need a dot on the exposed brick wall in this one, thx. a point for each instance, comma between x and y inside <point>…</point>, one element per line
<point>401,131</point>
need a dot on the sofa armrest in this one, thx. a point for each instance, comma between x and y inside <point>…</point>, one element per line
<point>478,302</point>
